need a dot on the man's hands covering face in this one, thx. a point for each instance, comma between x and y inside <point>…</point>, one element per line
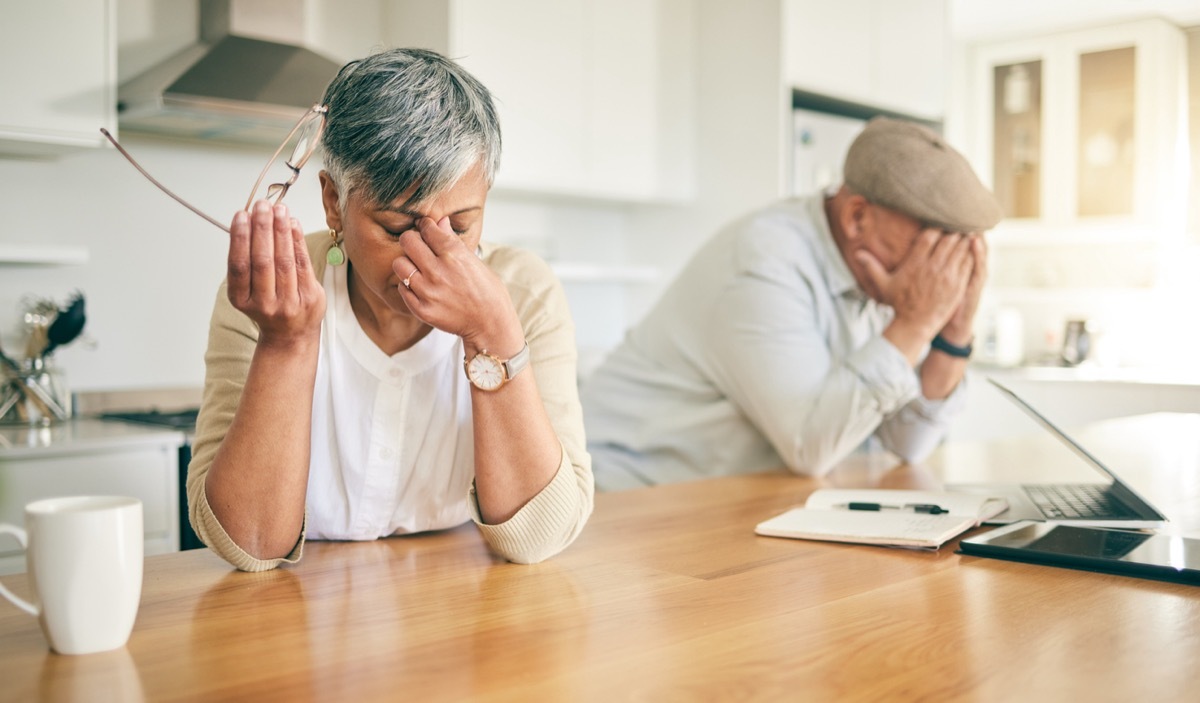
<point>936,287</point>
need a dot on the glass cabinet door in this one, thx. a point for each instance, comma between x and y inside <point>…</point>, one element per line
<point>1079,131</point>
<point>1106,132</point>
<point>1017,134</point>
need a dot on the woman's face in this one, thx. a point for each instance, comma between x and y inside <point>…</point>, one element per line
<point>371,233</point>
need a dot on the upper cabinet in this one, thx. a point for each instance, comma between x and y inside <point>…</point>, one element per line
<point>1084,127</point>
<point>882,53</point>
<point>59,82</point>
<point>593,95</point>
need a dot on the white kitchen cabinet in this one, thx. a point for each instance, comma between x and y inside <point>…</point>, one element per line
<point>91,457</point>
<point>589,92</point>
<point>59,78</point>
<point>1083,130</point>
<point>883,53</point>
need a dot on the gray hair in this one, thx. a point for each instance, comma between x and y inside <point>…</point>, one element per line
<point>403,118</point>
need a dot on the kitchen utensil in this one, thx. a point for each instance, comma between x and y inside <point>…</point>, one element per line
<point>67,325</point>
<point>9,399</point>
<point>38,313</point>
<point>1077,342</point>
<point>29,386</point>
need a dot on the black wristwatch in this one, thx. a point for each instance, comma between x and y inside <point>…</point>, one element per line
<point>954,350</point>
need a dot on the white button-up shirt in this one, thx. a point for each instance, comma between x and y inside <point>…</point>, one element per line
<point>392,443</point>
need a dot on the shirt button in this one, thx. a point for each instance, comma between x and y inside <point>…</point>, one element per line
<point>394,373</point>
<point>385,453</point>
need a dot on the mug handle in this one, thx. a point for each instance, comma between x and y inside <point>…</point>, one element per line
<point>24,540</point>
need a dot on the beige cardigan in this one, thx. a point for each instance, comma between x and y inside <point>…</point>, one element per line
<point>543,527</point>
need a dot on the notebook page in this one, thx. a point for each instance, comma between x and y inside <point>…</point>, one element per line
<point>904,529</point>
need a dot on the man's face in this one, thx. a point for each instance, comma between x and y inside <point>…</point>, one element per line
<point>888,235</point>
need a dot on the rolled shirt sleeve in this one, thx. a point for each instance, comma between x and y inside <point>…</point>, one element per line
<point>764,350</point>
<point>775,365</point>
<point>913,432</point>
<point>774,334</point>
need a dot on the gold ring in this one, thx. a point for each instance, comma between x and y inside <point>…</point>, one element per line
<point>408,281</point>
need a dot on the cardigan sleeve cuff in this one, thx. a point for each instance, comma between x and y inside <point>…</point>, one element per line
<point>219,541</point>
<point>542,527</point>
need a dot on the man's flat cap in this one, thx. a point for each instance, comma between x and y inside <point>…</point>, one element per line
<point>909,168</point>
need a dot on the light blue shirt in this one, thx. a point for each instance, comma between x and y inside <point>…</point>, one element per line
<point>764,352</point>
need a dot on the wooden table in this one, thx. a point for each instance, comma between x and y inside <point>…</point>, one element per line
<point>668,595</point>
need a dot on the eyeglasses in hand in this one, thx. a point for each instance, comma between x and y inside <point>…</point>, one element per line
<point>307,135</point>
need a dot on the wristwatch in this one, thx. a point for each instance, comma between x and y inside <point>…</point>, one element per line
<point>488,372</point>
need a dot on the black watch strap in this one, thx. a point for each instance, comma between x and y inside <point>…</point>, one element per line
<point>954,350</point>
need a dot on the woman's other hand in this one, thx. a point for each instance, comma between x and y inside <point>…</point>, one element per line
<point>447,286</point>
<point>270,276</point>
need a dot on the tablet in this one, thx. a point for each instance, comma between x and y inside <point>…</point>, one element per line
<point>1143,554</point>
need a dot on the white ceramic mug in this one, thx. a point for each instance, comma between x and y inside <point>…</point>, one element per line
<point>84,556</point>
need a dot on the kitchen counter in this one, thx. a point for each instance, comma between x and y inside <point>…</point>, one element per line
<point>1092,374</point>
<point>89,456</point>
<point>81,435</point>
<point>1070,397</point>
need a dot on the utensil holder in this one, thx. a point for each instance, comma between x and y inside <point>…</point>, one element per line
<point>36,396</point>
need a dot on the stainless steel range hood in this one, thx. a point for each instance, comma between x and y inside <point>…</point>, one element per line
<point>227,87</point>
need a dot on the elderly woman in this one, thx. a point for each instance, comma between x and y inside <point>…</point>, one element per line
<point>336,404</point>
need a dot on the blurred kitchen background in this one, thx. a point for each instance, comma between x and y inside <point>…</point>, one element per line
<point>633,130</point>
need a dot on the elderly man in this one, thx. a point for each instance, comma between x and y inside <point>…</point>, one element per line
<point>802,330</point>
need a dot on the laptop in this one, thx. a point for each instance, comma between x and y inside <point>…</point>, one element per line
<point>1112,503</point>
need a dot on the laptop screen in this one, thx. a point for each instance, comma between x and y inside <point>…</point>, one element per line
<point>1121,489</point>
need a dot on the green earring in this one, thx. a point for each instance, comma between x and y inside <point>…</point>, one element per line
<point>335,256</point>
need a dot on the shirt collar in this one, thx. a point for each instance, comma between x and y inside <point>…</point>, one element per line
<point>340,321</point>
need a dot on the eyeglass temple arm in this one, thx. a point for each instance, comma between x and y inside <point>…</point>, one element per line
<point>315,111</point>
<point>160,186</point>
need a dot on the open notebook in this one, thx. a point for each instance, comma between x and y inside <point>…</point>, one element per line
<point>827,516</point>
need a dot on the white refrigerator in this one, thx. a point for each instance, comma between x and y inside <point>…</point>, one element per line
<point>820,141</point>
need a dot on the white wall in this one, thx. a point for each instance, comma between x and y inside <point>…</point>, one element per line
<point>154,267</point>
<point>742,124</point>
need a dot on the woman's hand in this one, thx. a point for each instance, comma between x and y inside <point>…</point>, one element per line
<point>270,276</point>
<point>447,286</point>
<point>259,474</point>
<point>517,452</point>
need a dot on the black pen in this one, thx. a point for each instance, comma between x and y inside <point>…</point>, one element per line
<point>915,507</point>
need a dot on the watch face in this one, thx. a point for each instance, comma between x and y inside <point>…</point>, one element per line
<point>485,372</point>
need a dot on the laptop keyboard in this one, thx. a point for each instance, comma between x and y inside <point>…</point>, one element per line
<point>1077,501</point>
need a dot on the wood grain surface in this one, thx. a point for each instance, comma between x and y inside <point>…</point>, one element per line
<point>667,596</point>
